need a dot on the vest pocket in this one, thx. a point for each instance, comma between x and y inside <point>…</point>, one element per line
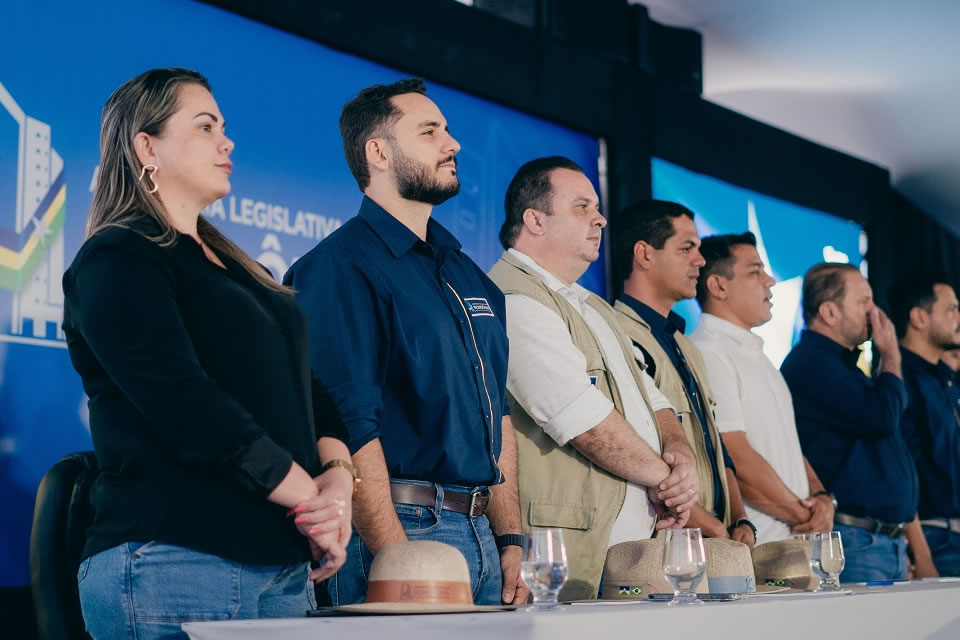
<point>564,516</point>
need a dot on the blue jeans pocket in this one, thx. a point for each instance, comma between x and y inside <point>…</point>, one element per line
<point>417,520</point>
<point>937,539</point>
<point>855,539</point>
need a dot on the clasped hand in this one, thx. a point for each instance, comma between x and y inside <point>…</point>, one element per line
<point>677,493</point>
<point>325,521</point>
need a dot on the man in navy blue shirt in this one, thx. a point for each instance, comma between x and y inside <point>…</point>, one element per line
<point>849,425</point>
<point>924,310</point>
<point>409,337</point>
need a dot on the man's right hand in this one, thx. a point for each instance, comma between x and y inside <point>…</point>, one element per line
<point>884,335</point>
<point>678,491</point>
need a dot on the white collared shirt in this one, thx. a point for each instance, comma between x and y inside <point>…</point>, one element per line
<point>547,376</point>
<point>753,397</point>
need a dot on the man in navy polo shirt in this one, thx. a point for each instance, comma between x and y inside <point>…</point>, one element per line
<point>849,425</point>
<point>924,310</point>
<point>409,337</point>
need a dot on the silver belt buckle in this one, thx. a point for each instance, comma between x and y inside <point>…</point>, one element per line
<point>473,500</point>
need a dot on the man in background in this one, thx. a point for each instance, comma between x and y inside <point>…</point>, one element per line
<point>754,410</point>
<point>924,310</point>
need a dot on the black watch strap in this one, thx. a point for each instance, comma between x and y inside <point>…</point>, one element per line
<point>743,521</point>
<point>832,497</point>
<point>508,540</point>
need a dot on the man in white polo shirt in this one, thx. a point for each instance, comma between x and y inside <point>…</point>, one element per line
<point>754,411</point>
<point>600,450</point>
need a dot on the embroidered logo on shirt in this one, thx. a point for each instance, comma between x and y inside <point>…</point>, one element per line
<point>478,307</point>
<point>593,380</point>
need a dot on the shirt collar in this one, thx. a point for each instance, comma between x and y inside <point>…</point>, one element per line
<point>670,324</point>
<point>823,343</point>
<point>398,238</point>
<point>552,281</point>
<point>913,361</point>
<point>738,334</point>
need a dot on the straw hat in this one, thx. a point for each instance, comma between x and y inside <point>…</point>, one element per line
<point>784,563</point>
<point>633,570</point>
<point>420,576</point>
<point>729,566</point>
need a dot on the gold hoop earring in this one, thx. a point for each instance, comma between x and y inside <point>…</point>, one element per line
<point>153,170</point>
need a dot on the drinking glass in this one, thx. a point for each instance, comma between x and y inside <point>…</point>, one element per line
<point>826,559</point>
<point>684,564</point>
<point>544,566</point>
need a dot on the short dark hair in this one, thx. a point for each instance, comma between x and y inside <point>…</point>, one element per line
<point>824,282</point>
<point>647,220</point>
<point>530,189</point>
<point>717,251</point>
<point>364,118</point>
<point>913,291</point>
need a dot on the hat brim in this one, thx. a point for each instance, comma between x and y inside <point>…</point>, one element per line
<point>414,608</point>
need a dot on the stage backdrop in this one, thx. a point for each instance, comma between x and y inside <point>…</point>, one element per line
<point>790,240</point>
<point>281,97</point>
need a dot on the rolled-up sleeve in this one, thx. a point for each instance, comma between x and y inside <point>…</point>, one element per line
<point>547,373</point>
<point>347,334</point>
<point>134,329</point>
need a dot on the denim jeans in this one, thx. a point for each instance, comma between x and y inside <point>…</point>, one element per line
<point>471,536</point>
<point>945,548</point>
<point>872,556</point>
<point>144,591</point>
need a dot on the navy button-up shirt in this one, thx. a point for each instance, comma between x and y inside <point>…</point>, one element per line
<point>663,329</point>
<point>409,337</point>
<point>931,427</point>
<point>849,428</point>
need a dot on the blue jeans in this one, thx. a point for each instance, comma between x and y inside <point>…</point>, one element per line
<point>872,556</point>
<point>945,548</point>
<point>144,591</point>
<point>471,536</point>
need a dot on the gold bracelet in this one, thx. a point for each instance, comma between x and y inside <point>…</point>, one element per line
<point>338,462</point>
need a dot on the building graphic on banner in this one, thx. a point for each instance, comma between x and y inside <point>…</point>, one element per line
<point>31,231</point>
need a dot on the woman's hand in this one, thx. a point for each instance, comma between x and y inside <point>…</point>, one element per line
<point>325,520</point>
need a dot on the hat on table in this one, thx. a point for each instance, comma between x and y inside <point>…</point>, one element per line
<point>419,576</point>
<point>729,566</point>
<point>633,570</point>
<point>784,563</point>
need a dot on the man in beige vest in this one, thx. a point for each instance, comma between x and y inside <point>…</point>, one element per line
<point>656,249</point>
<point>600,452</point>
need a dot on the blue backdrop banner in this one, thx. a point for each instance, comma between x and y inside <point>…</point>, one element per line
<point>281,96</point>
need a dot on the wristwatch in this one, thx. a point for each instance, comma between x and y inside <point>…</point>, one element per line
<point>349,467</point>
<point>508,540</point>
<point>743,521</point>
<point>832,497</point>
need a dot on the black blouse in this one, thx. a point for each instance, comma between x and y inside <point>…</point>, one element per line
<point>200,395</point>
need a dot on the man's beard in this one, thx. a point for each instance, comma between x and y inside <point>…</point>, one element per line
<point>415,183</point>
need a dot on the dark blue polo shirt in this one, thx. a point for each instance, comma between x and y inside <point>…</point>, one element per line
<point>931,427</point>
<point>410,339</point>
<point>663,329</point>
<point>849,428</point>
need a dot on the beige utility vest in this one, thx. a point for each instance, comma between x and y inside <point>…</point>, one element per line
<point>558,486</point>
<point>671,385</point>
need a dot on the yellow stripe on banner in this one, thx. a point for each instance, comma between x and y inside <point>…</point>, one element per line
<point>16,259</point>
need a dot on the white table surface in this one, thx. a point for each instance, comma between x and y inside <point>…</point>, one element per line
<point>906,611</point>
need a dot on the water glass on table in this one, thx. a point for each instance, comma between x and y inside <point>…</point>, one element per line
<point>684,564</point>
<point>826,559</point>
<point>543,566</point>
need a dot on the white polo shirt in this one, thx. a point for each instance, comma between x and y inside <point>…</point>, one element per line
<point>753,397</point>
<point>547,376</point>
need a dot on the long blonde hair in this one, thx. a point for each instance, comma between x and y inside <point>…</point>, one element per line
<point>145,103</point>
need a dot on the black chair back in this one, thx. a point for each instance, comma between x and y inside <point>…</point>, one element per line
<point>61,517</point>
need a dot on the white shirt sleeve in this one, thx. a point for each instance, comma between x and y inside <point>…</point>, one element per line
<point>546,373</point>
<point>724,382</point>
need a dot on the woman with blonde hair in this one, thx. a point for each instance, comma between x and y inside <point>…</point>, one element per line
<point>208,426</point>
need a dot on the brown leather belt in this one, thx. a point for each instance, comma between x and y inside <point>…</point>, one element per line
<point>874,526</point>
<point>474,504</point>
